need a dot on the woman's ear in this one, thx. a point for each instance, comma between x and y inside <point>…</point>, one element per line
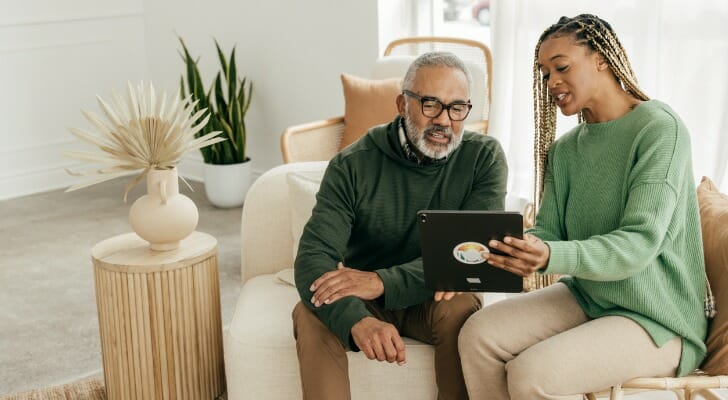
<point>602,63</point>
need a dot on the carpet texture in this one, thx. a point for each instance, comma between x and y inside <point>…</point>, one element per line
<point>49,330</point>
<point>89,389</point>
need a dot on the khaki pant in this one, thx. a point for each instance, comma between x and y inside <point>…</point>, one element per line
<point>541,345</point>
<point>322,357</point>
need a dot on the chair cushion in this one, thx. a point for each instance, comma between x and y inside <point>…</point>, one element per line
<point>261,362</point>
<point>714,221</point>
<point>302,189</point>
<point>368,103</point>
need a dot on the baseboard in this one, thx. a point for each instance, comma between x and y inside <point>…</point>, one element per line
<point>35,182</point>
<point>44,180</point>
<point>192,168</point>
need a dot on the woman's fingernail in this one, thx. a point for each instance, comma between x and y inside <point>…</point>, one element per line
<point>493,243</point>
<point>508,240</point>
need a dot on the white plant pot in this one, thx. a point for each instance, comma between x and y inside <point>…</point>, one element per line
<point>226,185</point>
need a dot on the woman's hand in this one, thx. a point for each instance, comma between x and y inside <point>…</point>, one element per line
<point>524,256</point>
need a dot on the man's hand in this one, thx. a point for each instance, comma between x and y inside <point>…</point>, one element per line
<point>379,340</point>
<point>343,282</point>
<point>445,295</point>
<point>524,256</point>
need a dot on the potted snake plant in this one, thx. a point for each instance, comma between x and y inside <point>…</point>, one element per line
<point>227,170</point>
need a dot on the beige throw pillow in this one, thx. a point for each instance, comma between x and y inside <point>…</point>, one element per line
<point>714,222</point>
<point>368,103</point>
<point>302,189</point>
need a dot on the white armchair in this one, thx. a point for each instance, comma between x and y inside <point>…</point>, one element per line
<point>260,351</point>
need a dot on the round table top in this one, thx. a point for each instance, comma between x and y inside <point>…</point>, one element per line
<point>130,253</point>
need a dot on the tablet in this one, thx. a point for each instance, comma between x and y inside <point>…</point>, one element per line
<point>453,243</point>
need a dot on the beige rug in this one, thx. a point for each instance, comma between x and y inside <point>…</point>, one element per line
<point>88,389</point>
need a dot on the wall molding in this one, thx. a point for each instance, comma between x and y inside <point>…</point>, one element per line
<point>77,43</point>
<point>49,20</point>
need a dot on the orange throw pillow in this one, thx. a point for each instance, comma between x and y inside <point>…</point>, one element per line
<point>368,103</point>
<point>714,222</point>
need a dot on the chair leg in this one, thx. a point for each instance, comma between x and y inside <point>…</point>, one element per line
<point>707,394</point>
<point>616,393</point>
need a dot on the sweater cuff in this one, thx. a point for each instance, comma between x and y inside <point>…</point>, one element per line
<point>563,259</point>
<point>353,312</point>
<point>388,278</point>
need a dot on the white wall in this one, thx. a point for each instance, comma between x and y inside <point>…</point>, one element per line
<point>54,58</point>
<point>57,56</point>
<point>294,52</point>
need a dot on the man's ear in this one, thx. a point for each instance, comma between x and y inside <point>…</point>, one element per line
<point>400,104</point>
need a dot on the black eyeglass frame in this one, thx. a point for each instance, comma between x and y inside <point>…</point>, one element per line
<point>443,106</point>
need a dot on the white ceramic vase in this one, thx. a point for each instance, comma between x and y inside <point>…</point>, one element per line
<point>227,184</point>
<point>163,216</point>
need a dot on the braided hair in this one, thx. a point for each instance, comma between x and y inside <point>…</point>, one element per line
<point>597,35</point>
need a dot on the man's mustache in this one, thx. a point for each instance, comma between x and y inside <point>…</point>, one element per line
<point>442,130</point>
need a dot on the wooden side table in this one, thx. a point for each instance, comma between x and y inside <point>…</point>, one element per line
<point>159,318</point>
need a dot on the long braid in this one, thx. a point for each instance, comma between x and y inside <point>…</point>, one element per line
<point>596,34</point>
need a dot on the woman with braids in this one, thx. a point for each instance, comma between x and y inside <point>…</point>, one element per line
<point>618,216</point>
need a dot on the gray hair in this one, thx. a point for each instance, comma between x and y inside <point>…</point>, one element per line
<point>435,59</point>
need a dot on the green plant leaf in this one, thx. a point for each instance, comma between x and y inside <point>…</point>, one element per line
<point>221,56</point>
<point>227,110</point>
<point>220,96</point>
<point>232,78</point>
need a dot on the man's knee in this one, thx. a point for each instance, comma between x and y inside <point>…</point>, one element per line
<point>311,334</point>
<point>450,315</point>
<point>303,319</point>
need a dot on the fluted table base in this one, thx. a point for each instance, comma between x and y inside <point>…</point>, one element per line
<point>159,318</point>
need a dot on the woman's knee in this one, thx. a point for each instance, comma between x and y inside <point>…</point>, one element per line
<point>525,378</point>
<point>475,332</point>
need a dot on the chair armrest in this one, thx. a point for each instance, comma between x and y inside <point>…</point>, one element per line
<point>314,141</point>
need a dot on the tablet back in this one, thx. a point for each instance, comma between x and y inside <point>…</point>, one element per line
<point>453,243</point>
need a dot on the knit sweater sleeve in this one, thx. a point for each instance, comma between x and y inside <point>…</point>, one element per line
<point>323,245</point>
<point>660,157</point>
<point>404,285</point>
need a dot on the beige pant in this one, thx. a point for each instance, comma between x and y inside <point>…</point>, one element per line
<point>541,345</point>
<point>322,357</point>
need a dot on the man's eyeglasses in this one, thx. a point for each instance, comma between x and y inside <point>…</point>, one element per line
<point>432,107</point>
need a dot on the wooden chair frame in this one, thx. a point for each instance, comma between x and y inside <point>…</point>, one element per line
<point>319,140</point>
<point>685,388</point>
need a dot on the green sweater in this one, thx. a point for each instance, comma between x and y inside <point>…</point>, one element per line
<point>620,215</point>
<point>365,216</point>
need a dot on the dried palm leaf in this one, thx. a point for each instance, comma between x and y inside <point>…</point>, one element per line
<point>139,133</point>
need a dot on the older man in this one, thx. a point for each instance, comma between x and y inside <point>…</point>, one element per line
<point>358,269</point>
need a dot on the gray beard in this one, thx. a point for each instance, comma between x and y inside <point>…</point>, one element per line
<point>434,151</point>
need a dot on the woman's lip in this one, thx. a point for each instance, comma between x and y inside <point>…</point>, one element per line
<point>561,98</point>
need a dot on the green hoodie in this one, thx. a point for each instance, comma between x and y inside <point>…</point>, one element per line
<point>365,216</point>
